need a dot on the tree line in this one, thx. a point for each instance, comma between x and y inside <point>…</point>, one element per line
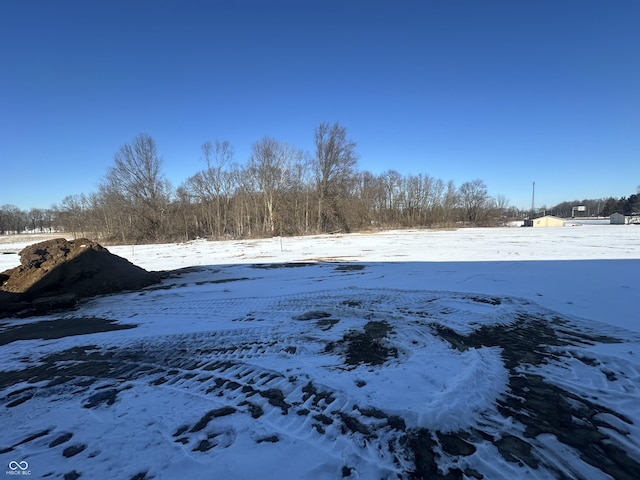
<point>279,190</point>
<point>602,207</point>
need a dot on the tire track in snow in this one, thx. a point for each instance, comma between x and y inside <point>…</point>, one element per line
<point>266,359</point>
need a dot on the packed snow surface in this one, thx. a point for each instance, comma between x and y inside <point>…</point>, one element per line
<point>475,353</point>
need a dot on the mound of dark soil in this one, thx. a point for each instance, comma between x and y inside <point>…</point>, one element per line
<point>58,272</point>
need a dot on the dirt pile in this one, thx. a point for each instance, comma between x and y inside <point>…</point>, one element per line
<point>58,272</point>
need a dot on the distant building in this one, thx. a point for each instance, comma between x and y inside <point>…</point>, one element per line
<point>548,221</point>
<point>617,219</point>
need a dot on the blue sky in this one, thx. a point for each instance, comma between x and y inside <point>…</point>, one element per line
<point>510,92</point>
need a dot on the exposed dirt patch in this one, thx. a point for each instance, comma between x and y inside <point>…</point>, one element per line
<point>210,415</point>
<point>140,476</point>
<point>73,450</point>
<point>256,411</point>
<point>527,340</point>
<point>60,328</point>
<point>349,268</point>
<point>271,266</point>
<point>222,280</point>
<point>76,365</point>
<point>365,347</point>
<point>310,391</point>
<point>312,315</point>
<point>352,424</point>
<point>488,300</point>
<point>30,438</point>
<point>424,456</point>
<point>327,323</point>
<point>65,437</point>
<point>105,397</point>
<point>275,397</point>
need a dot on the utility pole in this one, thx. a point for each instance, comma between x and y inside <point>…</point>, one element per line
<point>533,200</point>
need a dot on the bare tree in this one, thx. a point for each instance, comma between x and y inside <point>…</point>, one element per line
<point>431,194</point>
<point>501,204</point>
<point>334,164</point>
<point>219,157</point>
<point>212,187</point>
<point>393,191</point>
<point>449,202</point>
<point>271,165</point>
<point>296,211</point>
<point>73,216</point>
<point>417,195</point>
<point>12,219</point>
<point>473,200</point>
<point>36,220</point>
<point>136,182</point>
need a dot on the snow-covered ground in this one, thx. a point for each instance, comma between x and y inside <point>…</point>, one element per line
<point>478,353</point>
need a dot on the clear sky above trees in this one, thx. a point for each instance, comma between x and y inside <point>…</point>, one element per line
<point>507,92</point>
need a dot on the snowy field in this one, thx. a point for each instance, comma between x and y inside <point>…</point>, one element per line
<point>477,353</point>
